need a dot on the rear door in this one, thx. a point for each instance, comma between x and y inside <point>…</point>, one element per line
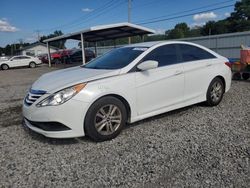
<point>198,65</point>
<point>25,61</point>
<point>163,86</point>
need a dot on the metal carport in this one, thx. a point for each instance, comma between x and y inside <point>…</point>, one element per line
<point>101,33</point>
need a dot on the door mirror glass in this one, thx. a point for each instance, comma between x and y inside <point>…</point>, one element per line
<point>146,65</point>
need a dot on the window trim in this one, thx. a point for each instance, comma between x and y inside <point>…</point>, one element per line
<point>135,69</point>
<point>181,57</point>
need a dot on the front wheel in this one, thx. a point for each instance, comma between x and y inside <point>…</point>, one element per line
<point>215,92</point>
<point>4,67</point>
<point>105,119</point>
<point>32,65</point>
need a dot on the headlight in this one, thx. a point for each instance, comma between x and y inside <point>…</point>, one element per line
<point>62,96</point>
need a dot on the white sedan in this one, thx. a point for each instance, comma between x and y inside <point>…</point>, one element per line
<point>20,61</point>
<point>124,86</point>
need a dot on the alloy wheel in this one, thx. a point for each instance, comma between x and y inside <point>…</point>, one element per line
<point>5,67</point>
<point>32,65</point>
<point>108,119</point>
<point>216,91</point>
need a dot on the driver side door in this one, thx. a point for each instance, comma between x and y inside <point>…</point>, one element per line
<point>15,62</point>
<point>163,86</point>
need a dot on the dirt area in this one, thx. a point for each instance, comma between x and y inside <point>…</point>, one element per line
<point>196,146</point>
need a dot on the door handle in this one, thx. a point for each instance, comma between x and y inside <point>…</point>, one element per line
<point>178,72</point>
<point>209,64</point>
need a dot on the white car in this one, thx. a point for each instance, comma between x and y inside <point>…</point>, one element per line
<point>20,61</point>
<point>125,85</point>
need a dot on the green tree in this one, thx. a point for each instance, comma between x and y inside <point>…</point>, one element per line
<point>59,44</point>
<point>12,49</point>
<point>194,32</point>
<point>180,30</point>
<point>241,10</point>
<point>182,27</point>
<point>209,28</point>
<point>175,34</point>
<point>240,18</point>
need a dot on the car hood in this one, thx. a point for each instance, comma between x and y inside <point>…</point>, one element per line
<point>61,79</point>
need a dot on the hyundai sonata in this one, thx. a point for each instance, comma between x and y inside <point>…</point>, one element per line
<point>123,86</point>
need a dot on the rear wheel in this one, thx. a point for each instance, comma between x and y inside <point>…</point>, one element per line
<point>245,76</point>
<point>32,65</point>
<point>4,67</point>
<point>215,92</point>
<point>105,119</point>
<point>57,61</point>
<point>236,76</point>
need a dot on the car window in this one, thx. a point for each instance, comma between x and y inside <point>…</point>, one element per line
<point>193,53</point>
<point>165,55</point>
<point>16,58</point>
<point>25,57</point>
<point>77,53</point>
<point>116,58</point>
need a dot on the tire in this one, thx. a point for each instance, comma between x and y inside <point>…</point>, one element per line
<point>32,64</point>
<point>236,76</point>
<point>4,67</point>
<point>98,120</point>
<point>215,92</point>
<point>57,61</point>
<point>245,75</point>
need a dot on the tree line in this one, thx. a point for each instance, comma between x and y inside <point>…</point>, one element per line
<point>238,21</point>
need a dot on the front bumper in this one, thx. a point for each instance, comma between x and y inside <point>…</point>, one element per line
<point>71,114</point>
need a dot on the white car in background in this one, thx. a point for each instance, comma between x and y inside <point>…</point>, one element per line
<point>127,84</point>
<point>4,58</point>
<point>20,61</point>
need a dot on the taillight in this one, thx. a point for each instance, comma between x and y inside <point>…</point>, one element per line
<point>228,64</point>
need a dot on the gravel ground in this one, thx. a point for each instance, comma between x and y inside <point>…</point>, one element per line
<point>196,146</point>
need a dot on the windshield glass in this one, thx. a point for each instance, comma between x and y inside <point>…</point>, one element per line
<point>116,59</point>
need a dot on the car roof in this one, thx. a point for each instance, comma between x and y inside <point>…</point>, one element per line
<point>153,43</point>
<point>144,44</point>
<point>21,56</point>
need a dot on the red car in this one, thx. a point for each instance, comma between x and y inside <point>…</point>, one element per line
<point>67,56</point>
<point>56,57</point>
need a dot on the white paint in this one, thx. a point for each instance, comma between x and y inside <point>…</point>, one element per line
<point>36,50</point>
<point>20,61</point>
<point>148,93</point>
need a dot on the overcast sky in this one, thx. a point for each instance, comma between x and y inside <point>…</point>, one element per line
<point>25,19</point>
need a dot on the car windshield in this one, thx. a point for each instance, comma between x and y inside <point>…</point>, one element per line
<point>116,59</point>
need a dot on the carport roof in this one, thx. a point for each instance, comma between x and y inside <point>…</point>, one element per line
<point>105,32</point>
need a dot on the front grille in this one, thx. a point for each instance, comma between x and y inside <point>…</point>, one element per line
<point>49,126</point>
<point>32,96</point>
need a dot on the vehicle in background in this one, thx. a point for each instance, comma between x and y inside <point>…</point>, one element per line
<point>67,56</point>
<point>127,84</point>
<point>241,67</point>
<point>20,61</point>
<point>76,56</point>
<point>4,58</point>
<point>41,57</point>
<point>55,58</point>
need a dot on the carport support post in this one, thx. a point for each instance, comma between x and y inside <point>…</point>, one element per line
<point>83,50</point>
<point>142,38</point>
<point>49,57</point>
<point>95,49</point>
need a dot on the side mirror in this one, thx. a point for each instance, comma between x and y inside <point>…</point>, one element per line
<point>146,65</point>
